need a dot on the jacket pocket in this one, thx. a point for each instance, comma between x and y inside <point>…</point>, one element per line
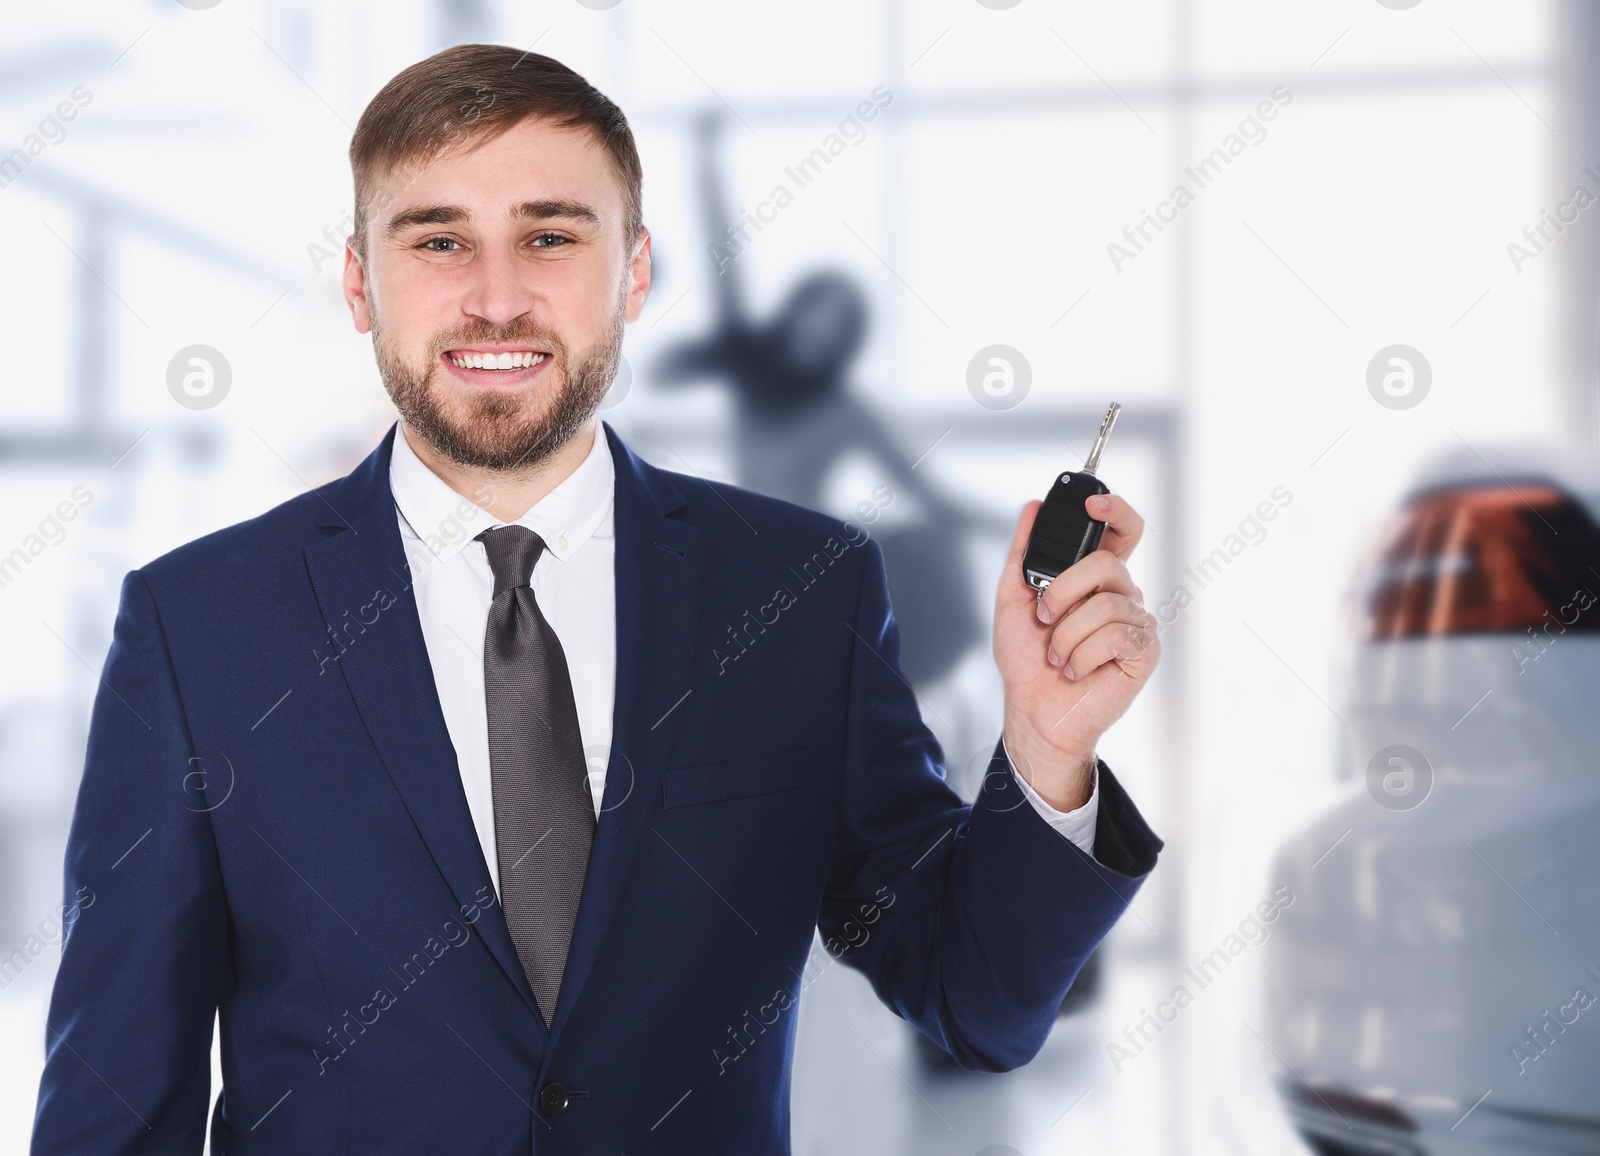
<point>738,778</point>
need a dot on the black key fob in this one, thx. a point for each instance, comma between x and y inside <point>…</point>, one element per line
<point>1063,532</point>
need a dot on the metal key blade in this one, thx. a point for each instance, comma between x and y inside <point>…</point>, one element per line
<point>1093,463</point>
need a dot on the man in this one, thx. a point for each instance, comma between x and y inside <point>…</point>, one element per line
<point>505,824</point>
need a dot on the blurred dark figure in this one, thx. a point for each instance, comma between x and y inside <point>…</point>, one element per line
<point>797,419</point>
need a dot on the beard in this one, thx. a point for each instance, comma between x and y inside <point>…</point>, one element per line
<point>502,431</point>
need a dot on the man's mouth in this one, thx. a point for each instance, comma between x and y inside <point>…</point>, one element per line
<point>495,360</point>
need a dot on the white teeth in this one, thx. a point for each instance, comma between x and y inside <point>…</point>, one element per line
<point>498,361</point>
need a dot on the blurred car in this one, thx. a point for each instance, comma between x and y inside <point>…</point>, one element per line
<point>1435,988</point>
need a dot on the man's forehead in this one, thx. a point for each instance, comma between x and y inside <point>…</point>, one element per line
<point>533,148</point>
<point>532,171</point>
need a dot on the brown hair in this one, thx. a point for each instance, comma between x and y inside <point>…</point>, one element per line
<point>475,92</point>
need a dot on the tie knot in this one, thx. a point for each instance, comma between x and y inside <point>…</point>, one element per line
<point>512,552</point>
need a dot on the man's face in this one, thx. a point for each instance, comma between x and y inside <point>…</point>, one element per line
<point>509,255</point>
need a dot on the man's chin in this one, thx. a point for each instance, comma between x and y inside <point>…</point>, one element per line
<point>466,406</point>
<point>492,430</point>
<point>488,440</point>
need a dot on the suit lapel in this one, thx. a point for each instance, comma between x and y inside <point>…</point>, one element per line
<point>385,664</point>
<point>658,565</point>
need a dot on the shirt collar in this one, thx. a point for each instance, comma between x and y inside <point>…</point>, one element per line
<point>445,521</point>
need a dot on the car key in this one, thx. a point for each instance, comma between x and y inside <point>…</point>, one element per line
<point>1063,532</point>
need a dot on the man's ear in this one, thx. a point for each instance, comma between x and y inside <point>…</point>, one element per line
<point>639,276</point>
<point>355,289</point>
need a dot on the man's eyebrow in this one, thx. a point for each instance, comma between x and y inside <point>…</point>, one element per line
<point>544,210</point>
<point>425,215</point>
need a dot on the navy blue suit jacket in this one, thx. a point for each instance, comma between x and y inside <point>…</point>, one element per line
<point>271,827</point>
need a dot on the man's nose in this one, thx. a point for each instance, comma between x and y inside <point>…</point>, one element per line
<point>498,287</point>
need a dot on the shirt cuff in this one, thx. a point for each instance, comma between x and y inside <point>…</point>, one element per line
<point>1078,825</point>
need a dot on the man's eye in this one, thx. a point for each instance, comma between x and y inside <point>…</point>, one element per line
<point>551,237</point>
<point>431,242</point>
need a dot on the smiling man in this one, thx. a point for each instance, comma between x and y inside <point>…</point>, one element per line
<point>491,796</point>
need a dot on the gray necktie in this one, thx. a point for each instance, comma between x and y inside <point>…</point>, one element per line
<point>544,817</point>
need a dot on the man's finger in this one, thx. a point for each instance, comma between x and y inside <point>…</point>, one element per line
<point>1098,570</point>
<point>1129,647</point>
<point>1124,526</point>
<point>1099,610</point>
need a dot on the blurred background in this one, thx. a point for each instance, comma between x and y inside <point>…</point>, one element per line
<point>1336,262</point>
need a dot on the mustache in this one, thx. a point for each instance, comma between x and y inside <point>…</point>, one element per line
<point>486,334</point>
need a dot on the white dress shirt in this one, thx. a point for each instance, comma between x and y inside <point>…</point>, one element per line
<point>574,581</point>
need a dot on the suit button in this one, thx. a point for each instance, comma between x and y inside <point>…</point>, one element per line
<point>553,1098</point>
